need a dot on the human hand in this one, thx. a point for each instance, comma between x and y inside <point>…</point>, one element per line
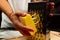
<point>6,8</point>
<point>18,25</point>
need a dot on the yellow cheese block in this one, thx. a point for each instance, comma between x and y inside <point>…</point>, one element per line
<point>28,21</point>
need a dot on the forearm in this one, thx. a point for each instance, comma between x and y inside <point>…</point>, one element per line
<point>5,7</point>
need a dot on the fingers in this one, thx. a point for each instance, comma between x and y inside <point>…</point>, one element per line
<point>23,27</point>
<point>24,32</point>
<point>19,13</point>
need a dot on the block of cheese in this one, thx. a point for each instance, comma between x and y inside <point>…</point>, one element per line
<point>28,21</point>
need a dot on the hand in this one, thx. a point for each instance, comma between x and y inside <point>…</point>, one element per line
<point>6,8</point>
<point>18,25</point>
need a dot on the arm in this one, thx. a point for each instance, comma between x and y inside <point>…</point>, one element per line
<point>6,8</point>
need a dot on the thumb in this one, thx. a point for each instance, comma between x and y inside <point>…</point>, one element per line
<point>19,13</point>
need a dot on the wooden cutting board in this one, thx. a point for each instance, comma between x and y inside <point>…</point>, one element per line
<point>54,35</point>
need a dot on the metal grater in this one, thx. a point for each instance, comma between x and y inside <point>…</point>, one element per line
<point>37,9</point>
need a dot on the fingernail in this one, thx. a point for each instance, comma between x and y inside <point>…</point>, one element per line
<point>24,14</point>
